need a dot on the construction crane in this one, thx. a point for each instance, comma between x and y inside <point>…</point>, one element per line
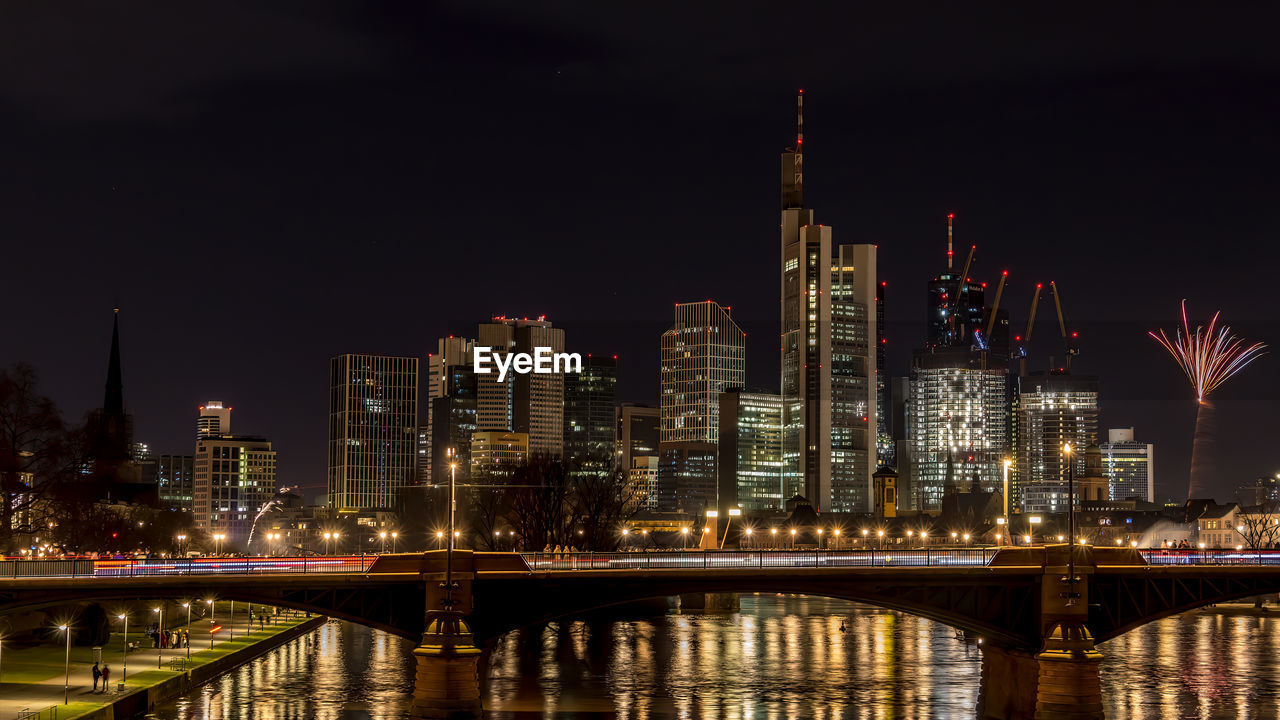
<point>995,306</point>
<point>962,292</point>
<point>1026,337</point>
<point>1068,342</point>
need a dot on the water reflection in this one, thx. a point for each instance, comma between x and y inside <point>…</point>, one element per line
<point>780,658</point>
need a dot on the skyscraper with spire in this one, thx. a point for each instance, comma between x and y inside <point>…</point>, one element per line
<point>829,333</point>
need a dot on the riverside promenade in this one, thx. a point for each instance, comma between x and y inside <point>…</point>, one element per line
<point>32,678</point>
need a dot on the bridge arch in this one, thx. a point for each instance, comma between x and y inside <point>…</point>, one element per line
<point>1120,602</point>
<point>1001,611</point>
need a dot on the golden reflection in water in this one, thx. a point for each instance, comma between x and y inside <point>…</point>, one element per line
<point>780,658</point>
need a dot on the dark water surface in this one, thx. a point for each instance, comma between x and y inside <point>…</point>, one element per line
<point>780,658</point>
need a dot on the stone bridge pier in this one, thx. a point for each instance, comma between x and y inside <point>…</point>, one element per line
<point>1060,682</point>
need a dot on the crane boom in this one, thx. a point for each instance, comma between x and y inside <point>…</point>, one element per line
<point>995,306</point>
<point>1031,319</point>
<point>1057,304</point>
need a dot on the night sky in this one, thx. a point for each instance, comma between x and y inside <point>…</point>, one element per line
<point>261,186</point>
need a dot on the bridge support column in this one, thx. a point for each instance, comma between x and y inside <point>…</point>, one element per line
<point>1009,680</point>
<point>447,684</point>
<point>1069,687</point>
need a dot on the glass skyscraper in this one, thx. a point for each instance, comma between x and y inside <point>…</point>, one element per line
<point>590,424</point>
<point>750,455</point>
<point>373,423</point>
<point>1050,410</point>
<point>1130,465</point>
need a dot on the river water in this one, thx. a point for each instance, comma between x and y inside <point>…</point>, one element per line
<point>780,658</point>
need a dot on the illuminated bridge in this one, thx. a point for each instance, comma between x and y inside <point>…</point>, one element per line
<point>1033,623</point>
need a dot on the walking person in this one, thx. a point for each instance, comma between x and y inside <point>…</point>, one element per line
<point>106,678</point>
<point>97,675</point>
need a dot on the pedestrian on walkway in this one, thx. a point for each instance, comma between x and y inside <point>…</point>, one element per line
<point>97,675</point>
<point>106,678</point>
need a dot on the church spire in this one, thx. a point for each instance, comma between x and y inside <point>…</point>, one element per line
<point>113,401</point>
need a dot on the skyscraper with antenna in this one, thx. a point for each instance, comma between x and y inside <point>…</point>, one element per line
<point>828,363</point>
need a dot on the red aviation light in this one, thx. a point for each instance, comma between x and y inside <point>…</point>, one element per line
<point>1075,334</point>
<point>1005,273</point>
<point>951,216</point>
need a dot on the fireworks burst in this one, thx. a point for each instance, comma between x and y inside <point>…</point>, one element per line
<point>1209,356</point>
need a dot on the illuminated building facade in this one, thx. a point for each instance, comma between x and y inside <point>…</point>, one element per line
<point>175,481</point>
<point>373,430</point>
<point>524,403</point>
<point>452,353</point>
<point>829,386</point>
<point>1131,465</point>
<point>750,452</point>
<point>957,424</point>
<point>702,355</point>
<point>214,419</point>
<point>497,452</point>
<point>637,432</point>
<point>1050,410</point>
<point>590,423</point>
<point>233,477</point>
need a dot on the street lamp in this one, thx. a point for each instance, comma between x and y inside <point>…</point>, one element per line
<point>1007,463</point>
<point>382,537</point>
<point>819,538</point>
<point>212,609</point>
<point>1031,527</point>
<point>124,648</point>
<point>187,605</point>
<point>66,681</point>
<point>836,534</point>
<point>182,540</point>
<point>1071,525</point>
<point>217,543</point>
<point>159,629</point>
<point>394,536</point>
<point>793,538</point>
<point>880,534</point>
<point>684,532</point>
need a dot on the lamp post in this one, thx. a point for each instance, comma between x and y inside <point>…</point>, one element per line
<point>382,537</point>
<point>394,535</point>
<point>880,534</point>
<point>217,543</point>
<point>1007,463</point>
<point>819,538</point>
<point>231,624</point>
<point>187,605</point>
<point>212,610</point>
<point>684,532</point>
<point>159,629</point>
<point>124,648</point>
<point>1031,528</point>
<point>448,566</point>
<point>836,534</point>
<point>793,538</point>
<point>1071,525</point>
<point>182,544</point>
<point>66,681</point>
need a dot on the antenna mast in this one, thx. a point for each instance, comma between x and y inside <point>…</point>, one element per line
<point>950,253</point>
<point>799,154</point>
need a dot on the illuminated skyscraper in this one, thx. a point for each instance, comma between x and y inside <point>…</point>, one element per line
<point>829,330</point>
<point>233,477</point>
<point>957,424</point>
<point>526,403</point>
<point>590,426</point>
<point>702,355</point>
<point>373,430</point>
<point>214,420</point>
<point>1050,410</point>
<point>750,451</point>
<point>451,353</point>
<point>1131,465</point>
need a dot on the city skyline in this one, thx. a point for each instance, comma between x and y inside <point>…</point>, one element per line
<point>1018,158</point>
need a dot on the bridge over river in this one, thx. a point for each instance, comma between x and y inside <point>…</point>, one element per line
<point>1038,615</point>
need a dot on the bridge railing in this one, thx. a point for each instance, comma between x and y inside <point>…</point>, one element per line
<point>158,567</point>
<point>741,560</point>
<point>1211,557</point>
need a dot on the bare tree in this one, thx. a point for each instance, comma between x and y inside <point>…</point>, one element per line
<point>601,501</point>
<point>38,455</point>
<point>539,503</point>
<point>489,497</point>
<point>1259,525</point>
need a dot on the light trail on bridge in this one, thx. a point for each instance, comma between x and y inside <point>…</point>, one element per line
<point>571,561</point>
